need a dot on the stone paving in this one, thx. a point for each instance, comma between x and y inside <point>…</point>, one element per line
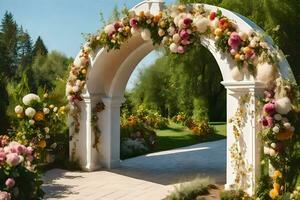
<point>151,176</point>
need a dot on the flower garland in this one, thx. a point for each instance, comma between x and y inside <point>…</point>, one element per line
<point>237,150</point>
<point>94,122</point>
<point>278,133</point>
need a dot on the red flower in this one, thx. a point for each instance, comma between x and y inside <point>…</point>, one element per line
<point>212,15</point>
<point>223,23</point>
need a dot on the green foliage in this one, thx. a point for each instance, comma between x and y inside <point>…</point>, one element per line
<point>234,195</point>
<point>191,190</point>
<point>39,48</point>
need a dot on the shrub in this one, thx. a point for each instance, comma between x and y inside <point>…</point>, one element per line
<point>234,195</point>
<point>151,118</point>
<point>41,125</point>
<point>192,190</point>
<point>18,178</point>
<point>130,147</point>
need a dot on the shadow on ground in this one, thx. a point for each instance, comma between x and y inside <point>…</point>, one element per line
<point>173,166</point>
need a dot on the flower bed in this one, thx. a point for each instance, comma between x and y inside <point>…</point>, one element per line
<point>19,179</point>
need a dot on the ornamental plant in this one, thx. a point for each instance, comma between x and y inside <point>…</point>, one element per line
<point>19,179</point>
<point>39,124</point>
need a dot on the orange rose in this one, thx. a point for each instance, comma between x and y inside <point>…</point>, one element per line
<point>42,144</point>
<point>39,116</point>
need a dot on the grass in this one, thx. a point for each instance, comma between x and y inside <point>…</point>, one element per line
<point>192,190</point>
<point>179,136</point>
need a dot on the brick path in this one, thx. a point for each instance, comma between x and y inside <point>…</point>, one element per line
<point>146,177</point>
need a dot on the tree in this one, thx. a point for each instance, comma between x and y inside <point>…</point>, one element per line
<point>9,38</point>
<point>39,48</point>
<point>24,50</point>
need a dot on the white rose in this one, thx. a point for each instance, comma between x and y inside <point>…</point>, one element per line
<point>272,152</point>
<point>75,88</point>
<point>201,23</point>
<point>19,109</point>
<point>176,38</point>
<point>31,122</point>
<point>165,40</point>
<point>135,31</point>
<point>265,72</point>
<point>275,129</point>
<point>243,35</point>
<point>171,30</point>
<point>173,48</point>
<point>29,98</point>
<point>287,125</point>
<point>283,105</point>
<point>55,109</point>
<point>69,98</point>
<point>69,89</point>
<point>284,120</point>
<point>214,23</point>
<point>146,34</point>
<point>277,117</point>
<point>266,150</point>
<point>109,29</point>
<point>46,129</point>
<point>30,112</point>
<point>273,145</point>
<point>46,111</point>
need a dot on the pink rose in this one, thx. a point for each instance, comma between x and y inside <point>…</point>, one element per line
<point>184,35</point>
<point>2,156</point>
<point>270,108</point>
<point>133,22</point>
<point>10,182</point>
<point>185,42</point>
<point>117,25</point>
<point>187,21</point>
<point>234,40</point>
<point>4,195</point>
<point>180,49</point>
<point>267,121</point>
<point>29,150</point>
<point>12,159</point>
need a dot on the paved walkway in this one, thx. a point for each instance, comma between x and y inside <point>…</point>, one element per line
<point>145,177</point>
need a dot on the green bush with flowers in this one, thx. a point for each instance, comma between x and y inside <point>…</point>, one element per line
<point>41,125</point>
<point>19,180</point>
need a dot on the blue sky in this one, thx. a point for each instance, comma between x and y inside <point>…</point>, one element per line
<point>61,23</point>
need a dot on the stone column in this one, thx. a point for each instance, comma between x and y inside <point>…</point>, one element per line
<point>81,143</point>
<point>110,128</point>
<point>249,140</point>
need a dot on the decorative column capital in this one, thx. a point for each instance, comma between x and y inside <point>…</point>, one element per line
<point>241,87</point>
<point>113,101</point>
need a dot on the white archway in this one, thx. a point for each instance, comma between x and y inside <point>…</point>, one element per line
<point>110,71</point>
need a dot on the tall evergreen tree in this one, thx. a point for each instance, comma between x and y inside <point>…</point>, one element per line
<point>39,48</point>
<point>24,50</point>
<point>9,29</point>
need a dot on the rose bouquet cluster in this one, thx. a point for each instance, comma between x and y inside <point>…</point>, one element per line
<point>18,177</point>
<point>38,123</point>
<point>278,133</point>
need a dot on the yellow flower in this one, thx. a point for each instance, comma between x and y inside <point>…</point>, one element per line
<point>42,144</point>
<point>39,116</point>
<point>51,106</point>
<point>276,187</point>
<point>277,174</point>
<point>273,194</point>
<point>20,115</point>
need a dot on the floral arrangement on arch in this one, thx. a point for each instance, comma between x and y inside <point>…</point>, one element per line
<point>178,28</point>
<point>19,179</point>
<point>38,123</point>
<point>281,115</point>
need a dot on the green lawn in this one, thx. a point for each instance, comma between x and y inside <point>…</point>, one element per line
<point>179,136</point>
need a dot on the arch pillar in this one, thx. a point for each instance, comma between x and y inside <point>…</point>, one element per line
<point>110,128</point>
<point>249,140</point>
<point>81,143</point>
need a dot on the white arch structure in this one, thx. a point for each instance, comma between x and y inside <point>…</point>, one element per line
<point>110,72</point>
